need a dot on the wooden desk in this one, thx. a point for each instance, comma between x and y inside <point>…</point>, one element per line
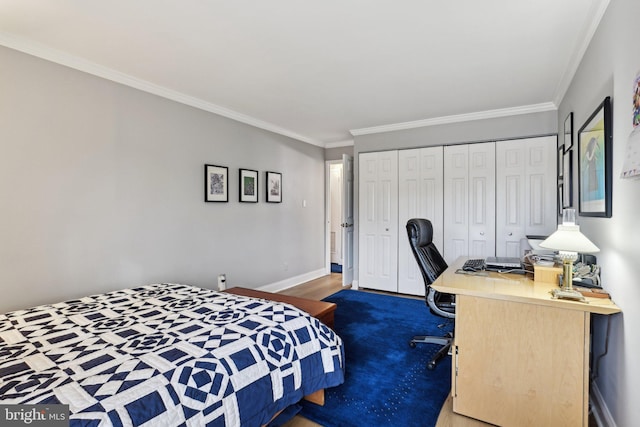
<point>321,310</point>
<point>520,358</point>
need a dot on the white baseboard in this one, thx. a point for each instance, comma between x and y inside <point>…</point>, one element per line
<point>293,281</point>
<point>599,408</point>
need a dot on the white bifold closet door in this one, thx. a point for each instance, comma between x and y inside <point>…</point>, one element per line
<point>378,221</point>
<point>420,195</point>
<point>526,189</point>
<point>469,201</point>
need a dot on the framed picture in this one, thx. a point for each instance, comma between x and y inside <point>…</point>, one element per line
<point>560,198</point>
<point>216,183</point>
<point>595,140</point>
<point>567,200</point>
<point>274,187</point>
<point>248,186</point>
<point>568,132</point>
<point>560,160</point>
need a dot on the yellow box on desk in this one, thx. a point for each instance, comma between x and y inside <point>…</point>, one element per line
<point>547,273</point>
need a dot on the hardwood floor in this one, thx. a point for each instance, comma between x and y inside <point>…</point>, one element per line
<point>317,289</point>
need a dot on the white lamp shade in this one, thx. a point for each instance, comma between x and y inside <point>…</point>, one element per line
<point>569,238</point>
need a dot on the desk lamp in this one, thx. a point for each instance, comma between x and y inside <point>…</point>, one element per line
<point>568,241</point>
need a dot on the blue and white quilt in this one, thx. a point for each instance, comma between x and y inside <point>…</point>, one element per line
<point>166,355</point>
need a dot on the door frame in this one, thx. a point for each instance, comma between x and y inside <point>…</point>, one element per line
<point>327,213</point>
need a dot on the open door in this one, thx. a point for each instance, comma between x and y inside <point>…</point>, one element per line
<point>347,219</point>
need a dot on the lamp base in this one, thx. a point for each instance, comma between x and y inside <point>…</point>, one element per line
<point>567,294</point>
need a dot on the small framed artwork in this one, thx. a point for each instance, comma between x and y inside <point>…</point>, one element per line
<point>560,198</point>
<point>568,180</point>
<point>560,162</point>
<point>595,141</point>
<point>568,132</point>
<point>216,183</point>
<point>274,187</point>
<point>248,186</point>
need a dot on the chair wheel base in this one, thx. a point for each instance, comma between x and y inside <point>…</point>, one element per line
<point>431,366</point>
<point>412,344</point>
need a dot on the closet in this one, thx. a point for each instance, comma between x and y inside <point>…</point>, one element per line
<point>482,199</point>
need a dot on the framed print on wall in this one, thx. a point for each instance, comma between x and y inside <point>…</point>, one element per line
<point>568,180</point>
<point>274,187</point>
<point>216,183</point>
<point>560,160</point>
<point>560,198</point>
<point>595,140</point>
<point>248,186</point>
<point>568,132</point>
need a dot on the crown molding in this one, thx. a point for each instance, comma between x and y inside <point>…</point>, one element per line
<point>71,61</point>
<point>480,115</point>
<point>338,144</point>
<point>597,12</point>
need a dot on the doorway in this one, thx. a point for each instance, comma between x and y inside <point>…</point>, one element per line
<point>339,218</point>
<point>335,215</point>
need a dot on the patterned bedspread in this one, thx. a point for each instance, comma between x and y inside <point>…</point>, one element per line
<point>166,355</point>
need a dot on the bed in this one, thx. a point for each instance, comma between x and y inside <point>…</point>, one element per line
<point>167,355</point>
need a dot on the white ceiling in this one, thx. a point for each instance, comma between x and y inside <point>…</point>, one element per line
<point>320,71</point>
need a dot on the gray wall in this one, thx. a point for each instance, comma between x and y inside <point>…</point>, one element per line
<point>102,188</point>
<point>337,152</point>
<point>523,125</point>
<point>608,69</point>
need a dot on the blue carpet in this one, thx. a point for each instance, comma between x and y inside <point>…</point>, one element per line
<point>387,382</point>
<point>336,268</point>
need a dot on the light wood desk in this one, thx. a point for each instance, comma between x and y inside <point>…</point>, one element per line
<point>520,358</point>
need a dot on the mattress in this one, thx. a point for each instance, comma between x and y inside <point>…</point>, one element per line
<point>168,355</point>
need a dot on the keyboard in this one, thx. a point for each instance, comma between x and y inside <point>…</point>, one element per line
<point>474,264</point>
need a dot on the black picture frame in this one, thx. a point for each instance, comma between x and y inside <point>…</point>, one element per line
<point>560,197</point>
<point>595,155</point>
<point>560,161</point>
<point>216,183</point>
<point>568,132</point>
<point>567,199</point>
<point>248,186</point>
<point>273,187</point>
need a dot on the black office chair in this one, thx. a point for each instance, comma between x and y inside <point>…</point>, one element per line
<point>431,265</point>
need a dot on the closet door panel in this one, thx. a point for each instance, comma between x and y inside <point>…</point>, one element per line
<point>368,227</point>
<point>368,253</point>
<point>541,186</point>
<point>431,188</point>
<point>456,202</point>
<point>526,191</point>
<point>420,196</point>
<point>482,200</point>
<point>409,207</point>
<point>378,183</point>
<point>510,202</point>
